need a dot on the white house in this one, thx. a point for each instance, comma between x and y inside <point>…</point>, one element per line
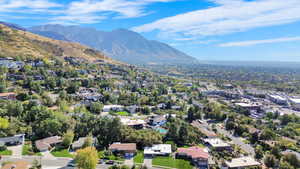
<point>108,108</point>
<point>158,150</point>
<point>240,163</point>
<point>217,143</point>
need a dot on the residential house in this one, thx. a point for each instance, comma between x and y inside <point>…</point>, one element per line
<point>241,163</point>
<point>8,96</point>
<point>126,149</point>
<point>134,123</point>
<point>12,64</point>
<point>198,156</point>
<point>217,144</point>
<point>108,108</point>
<point>162,106</point>
<point>157,120</point>
<point>133,109</point>
<point>89,94</point>
<point>175,107</point>
<point>158,150</point>
<point>47,143</point>
<point>36,63</point>
<point>79,143</point>
<point>14,140</point>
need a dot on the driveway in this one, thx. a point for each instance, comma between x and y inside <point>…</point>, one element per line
<point>148,162</point>
<point>48,155</point>
<point>16,150</point>
<point>129,162</point>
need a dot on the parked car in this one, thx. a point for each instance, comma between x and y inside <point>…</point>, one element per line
<point>111,162</point>
<point>71,165</point>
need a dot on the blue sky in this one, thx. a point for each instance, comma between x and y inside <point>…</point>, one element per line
<point>258,30</point>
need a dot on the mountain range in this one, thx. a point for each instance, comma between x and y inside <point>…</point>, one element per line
<point>15,42</point>
<point>120,44</point>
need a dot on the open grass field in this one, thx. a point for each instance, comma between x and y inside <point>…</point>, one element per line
<point>171,162</point>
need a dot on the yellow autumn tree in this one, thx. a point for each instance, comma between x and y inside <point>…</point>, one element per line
<point>86,158</point>
<point>3,123</point>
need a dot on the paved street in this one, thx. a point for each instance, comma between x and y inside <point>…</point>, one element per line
<point>56,163</point>
<point>48,155</point>
<point>238,141</point>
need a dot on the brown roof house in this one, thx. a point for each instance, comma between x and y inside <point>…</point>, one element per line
<point>8,96</point>
<point>47,143</point>
<point>198,156</point>
<point>126,149</point>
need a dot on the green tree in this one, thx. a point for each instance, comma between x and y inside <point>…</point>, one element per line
<point>86,158</point>
<point>96,108</point>
<point>270,161</point>
<point>292,160</point>
<point>285,165</point>
<point>267,134</point>
<point>88,142</point>
<point>259,153</point>
<point>68,138</point>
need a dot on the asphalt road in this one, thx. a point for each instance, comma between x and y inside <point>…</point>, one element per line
<point>238,141</point>
<point>58,163</point>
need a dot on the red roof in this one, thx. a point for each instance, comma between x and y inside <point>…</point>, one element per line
<point>194,152</point>
<point>7,94</point>
<point>123,146</point>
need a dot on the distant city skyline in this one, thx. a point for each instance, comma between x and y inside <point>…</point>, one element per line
<point>232,30</point>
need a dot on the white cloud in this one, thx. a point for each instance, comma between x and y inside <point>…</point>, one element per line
<point>257,42</point>
<point>20,5</point>
<point>91,11</point>
<point>79,11</point>
<point>228,16</point>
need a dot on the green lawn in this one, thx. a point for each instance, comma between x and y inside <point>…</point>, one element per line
<point>170,162</point>
<point>123,113</point>
<point>61,153</point>
<point>139,157</point>
<point>6,152</point>
<point>27,150</point>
